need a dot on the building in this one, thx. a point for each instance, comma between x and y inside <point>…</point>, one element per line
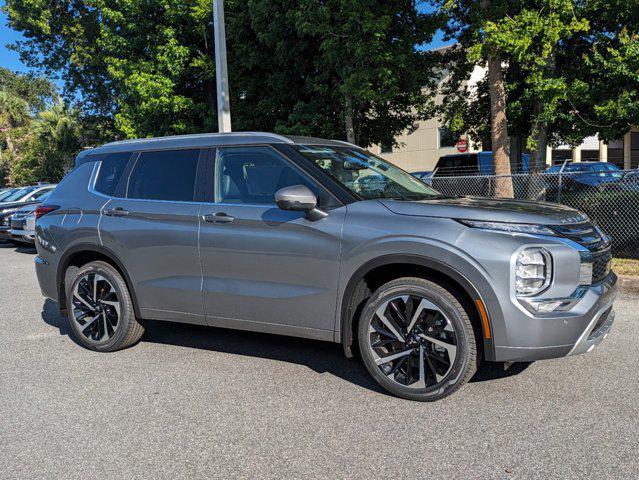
<point>418,148</point>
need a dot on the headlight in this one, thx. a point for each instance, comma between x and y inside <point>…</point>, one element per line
<point>530,228</point>
<point>533,272</point>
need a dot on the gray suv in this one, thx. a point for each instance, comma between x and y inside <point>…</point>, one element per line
<point>286,235</point>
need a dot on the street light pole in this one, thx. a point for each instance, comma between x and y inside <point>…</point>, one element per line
<point>221,72</point>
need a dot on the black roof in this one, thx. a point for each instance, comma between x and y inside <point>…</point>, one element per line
<point>203,140</point>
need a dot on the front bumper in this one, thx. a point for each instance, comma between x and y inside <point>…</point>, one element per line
<point>537,338</point>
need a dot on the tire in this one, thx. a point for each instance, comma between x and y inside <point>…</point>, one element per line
<point>440,338</point>
<point>106,320</point>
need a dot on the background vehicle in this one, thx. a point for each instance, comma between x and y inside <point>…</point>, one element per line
<point>26,194</point>
<point>628,182</point>
<point>283,235</point>
<point>7,193</point>
<point>22,223</point>
<point>17,200</point>
<point>467,164</point>
<point>584,175</point>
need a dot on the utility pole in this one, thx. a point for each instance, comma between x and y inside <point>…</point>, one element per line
<point>221,72</point>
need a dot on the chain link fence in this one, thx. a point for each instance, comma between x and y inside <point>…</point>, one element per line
<point>611,200</point>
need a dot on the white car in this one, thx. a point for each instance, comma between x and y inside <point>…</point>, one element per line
<point>22,225</point>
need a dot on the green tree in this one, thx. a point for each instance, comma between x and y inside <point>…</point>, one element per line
<point>14,113</point>
<point>569,69</point>
<point>345,69</point>
<point>54,141</point>
<point>37,92</point>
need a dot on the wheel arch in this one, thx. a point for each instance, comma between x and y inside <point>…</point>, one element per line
<point>82,254</point>
<point>396,266</point>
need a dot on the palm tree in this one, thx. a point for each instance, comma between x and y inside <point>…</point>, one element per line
<point>57,130</point>
<point>14,113</point>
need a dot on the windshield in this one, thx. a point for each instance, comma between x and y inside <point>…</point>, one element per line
<point>19,194</point>
<point>7,193</point>
<point>366,175</point>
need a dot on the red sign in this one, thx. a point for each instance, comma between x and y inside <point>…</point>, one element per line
<point>462,145</point>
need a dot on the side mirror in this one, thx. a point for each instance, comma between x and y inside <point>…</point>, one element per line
<point>299,198</point>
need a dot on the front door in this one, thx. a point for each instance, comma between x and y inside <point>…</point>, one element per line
<point>264,268</point>
<point>152,224</point>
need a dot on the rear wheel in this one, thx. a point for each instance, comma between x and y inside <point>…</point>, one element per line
<point>417,340</point>
<point>100,309</point>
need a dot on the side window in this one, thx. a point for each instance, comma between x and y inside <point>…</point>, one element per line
<point>111,170</point>
<point>252,175</point>
<point>164,175</point>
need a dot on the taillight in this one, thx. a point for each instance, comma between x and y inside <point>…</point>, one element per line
<point>42,210</point>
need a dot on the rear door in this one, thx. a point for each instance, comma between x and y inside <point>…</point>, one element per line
<point>264,268</point>
<point>151,224</point>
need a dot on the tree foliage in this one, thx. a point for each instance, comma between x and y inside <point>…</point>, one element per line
<point>302,67</point>
<point>54,140</point>
<point>38,136</point>
<point>570,68</point>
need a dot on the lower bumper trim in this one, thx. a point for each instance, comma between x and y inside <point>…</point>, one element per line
<point>597,330</point>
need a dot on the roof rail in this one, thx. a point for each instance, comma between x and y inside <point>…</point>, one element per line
<point>203,135</point>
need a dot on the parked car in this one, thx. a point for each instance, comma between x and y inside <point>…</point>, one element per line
<point>26,194</point>
<point>478,171</point>
<point>472,164</point>
<point>14,202</point>
<point>263,232</point>
<point>584,175</point>
<point>628,182</point>
<point>7,192</point>
<point>22,223</point>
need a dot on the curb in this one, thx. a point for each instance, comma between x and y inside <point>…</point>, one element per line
<point>628,284</point>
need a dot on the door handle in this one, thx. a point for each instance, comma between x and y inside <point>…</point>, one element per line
<point>219,217</point>
<point>117,212</point>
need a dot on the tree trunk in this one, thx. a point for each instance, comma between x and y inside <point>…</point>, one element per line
<point>499,124</point>
<point>348,119</point>
<point>539,154</point>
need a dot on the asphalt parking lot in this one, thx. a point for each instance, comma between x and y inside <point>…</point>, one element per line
<point>194,402</point>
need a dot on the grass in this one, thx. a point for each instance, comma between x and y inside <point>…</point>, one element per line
<point>625,266</point>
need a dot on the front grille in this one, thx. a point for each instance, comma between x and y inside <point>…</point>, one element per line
<point>601,266</point>
<point>591,237</point>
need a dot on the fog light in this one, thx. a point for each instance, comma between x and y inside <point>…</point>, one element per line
<point>533,272</point>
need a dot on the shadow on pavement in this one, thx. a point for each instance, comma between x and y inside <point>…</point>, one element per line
<point>321,357</point>
<point>18,247</point>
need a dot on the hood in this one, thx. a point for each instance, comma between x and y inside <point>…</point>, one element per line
<point>488,209</point>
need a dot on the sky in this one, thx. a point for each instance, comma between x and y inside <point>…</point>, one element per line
<point>8,58</point>
<point>11,60</point>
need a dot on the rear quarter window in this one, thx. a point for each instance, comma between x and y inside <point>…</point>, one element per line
<point>111,170</point>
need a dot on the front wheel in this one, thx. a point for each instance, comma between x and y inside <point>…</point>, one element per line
<point>417,340</point>
<point>100,309</point>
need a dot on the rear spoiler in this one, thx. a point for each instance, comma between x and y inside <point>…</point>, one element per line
<point>82,156</point>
